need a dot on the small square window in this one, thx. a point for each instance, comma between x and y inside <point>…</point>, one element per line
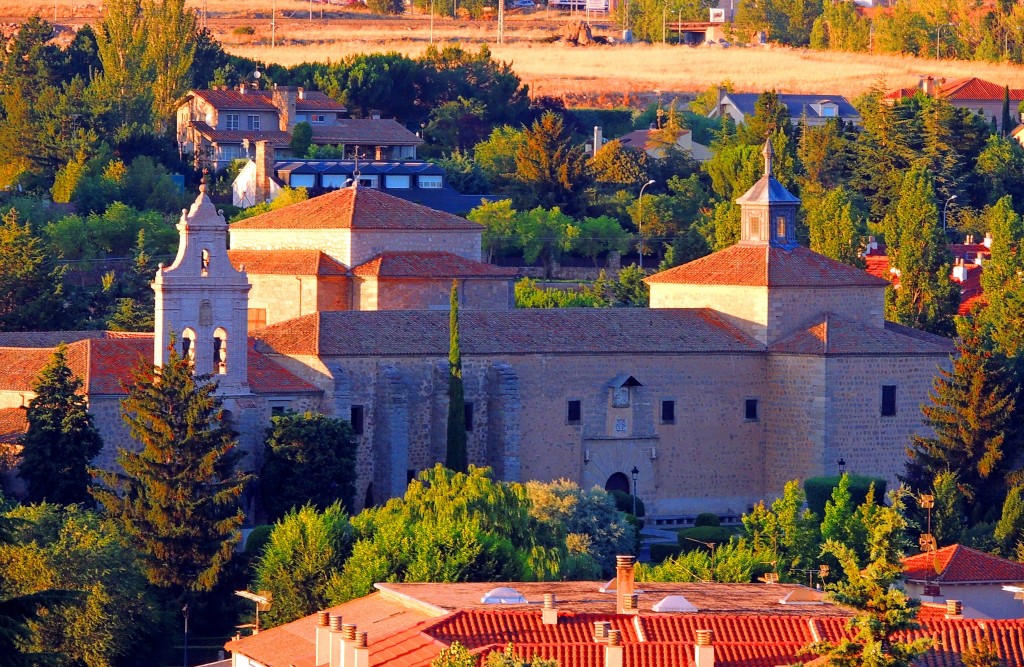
<point>750,409</point>
<point>357,419</point>
<point>888,400</point>
<point>469,416</point>
<point>231,121</point>
<point>573,412</point>
<point>668,412</point>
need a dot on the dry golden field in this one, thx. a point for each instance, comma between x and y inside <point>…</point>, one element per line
<point>551,69</point>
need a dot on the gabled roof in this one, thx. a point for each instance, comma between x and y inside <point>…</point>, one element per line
<point>957,564</point>
<point>833,335</point>
<point>429,265</point>
<point>504,332</point>
<point>276,137</point>
<point>365,132</point>
<point>798,105</point>
<point>358,208</point>
<point>263,100</point>
<point>13,424</point>
<point>973,88</point>
<point>286,262</point>
<point>767,266</point>
<point>347,167</point>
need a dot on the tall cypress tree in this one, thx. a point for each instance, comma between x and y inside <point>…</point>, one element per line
<point>456,457</point>
<point>178,497</point>
<point>1007,120</point>
<point>61,440</point>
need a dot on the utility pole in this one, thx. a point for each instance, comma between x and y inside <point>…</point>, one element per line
<point>273,25</point>
<point>501,21</point>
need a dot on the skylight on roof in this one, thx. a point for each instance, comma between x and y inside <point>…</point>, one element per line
<point>503,595</point>
<point>674,603</point>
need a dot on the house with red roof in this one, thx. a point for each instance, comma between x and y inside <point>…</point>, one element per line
<point>587,624</point>
<point>977,580</point>
<point>971,93</point>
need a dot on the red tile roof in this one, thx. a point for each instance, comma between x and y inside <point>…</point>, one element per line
<point>268,377</point>
<point>13,424</point>
<point>429,265</point>
<point>971,291</point>
<point>513,331</point>
<point>262,100</point>
<point>966,89</point>
<point>276,137</point>
<point>286,262</point>
<point>358,208</point>
<point>365,132</point>
<point>833,335</point>
<point>763,265</point>
<point>957,564</point>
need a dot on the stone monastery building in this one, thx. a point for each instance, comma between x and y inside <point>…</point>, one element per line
<point>755,365</point>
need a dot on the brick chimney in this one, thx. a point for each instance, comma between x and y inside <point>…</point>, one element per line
<point>959,270</point>
<point>601,629</point>
<point>284,100</point>
<point>265,158</point>
<point>348,644</point>
<point>624,577</point>
<point>928,86</point>
<point>549,614</point>
<point>987,241</point>
<point>954,609</point>
<point>704,651</point>
<point>361,652</point>
<point>335,643</point>
<point>613,651</point>
<point>323,637</point>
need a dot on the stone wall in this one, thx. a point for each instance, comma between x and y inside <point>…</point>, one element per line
<point>791,309</point>
<point>418,294</point>
<point>368,243</point>
<point>794,411</point>
<point>332,242</point>
<point>745,307</point>
<point>287,297</point>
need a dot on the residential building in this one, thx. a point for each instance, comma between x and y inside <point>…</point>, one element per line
<point>971,93</point>
<point>812,109</point>
<point>645,140</point>
<point>975,579</point>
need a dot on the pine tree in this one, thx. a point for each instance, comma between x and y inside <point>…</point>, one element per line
<point>61,440</point>
<point>971,415</point>
<point>177,499</point>
<point>456,457</point>
<point>1010,529</point>
<point>836,228</point>
<point>926,298</point>
<point>551,170</point>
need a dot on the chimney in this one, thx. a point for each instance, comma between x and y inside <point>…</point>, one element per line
<point>348,644</point>
<point>954,609</point>
<point>264,170</point>
<point>549,614</point>
<point>601,629</point>
<point>598,139</point>
<point>284,100</point>
<point>987,241</point>
<point>970,239</point>
<point>704,651</point>
<point>959,270</point>
<point>613,651</point>
<point>301,93</point>
<point>361,653</point>
<point>928,86</point>
<point>335,644</point>
<point>624,574</point>
<point>242,88</point>
<point>323,637</point>
<point>872,245</point>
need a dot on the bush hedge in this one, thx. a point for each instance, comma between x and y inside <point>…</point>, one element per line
<point>715,534</point>
<point>707,519</point>
<point>624,503</point>
<point>819,490</point>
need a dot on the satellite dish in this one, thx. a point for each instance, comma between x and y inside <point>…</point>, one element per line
<point>257,74</point>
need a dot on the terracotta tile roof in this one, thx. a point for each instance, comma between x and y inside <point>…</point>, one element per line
<point>973,88</point>
<point>429,265</point>
<point>276,137</point>
<point>13,424</point>
<point>262,100</point>
<point>968,251</point>
<point>365,132</point>
<point>900,93</point>
<point>767,266</point>
<point>358,208</point>
<point>953,637</point>
<point>878,266</point>
<point>286,262</point>
<point>45,338</point>
<point>833,335</point>
<point>515,331</point>
<point>971,291</point>
<point>266,376</point>
<point>960,564</point>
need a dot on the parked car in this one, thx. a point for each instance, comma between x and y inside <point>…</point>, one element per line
<point>523,4</point>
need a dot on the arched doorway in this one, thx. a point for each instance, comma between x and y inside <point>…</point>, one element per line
<point>617,482</point>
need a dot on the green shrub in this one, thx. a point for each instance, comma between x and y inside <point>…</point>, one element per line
<point>701,534</point>
<point>707,519</point>
<point>528,295</point>
<point>257,539</point>
<point>819,490</point>
<point>660,552</point>
<point>624,503</point>
<point>243,30</point>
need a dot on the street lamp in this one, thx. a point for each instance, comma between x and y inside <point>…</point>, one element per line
<point>640,221</point>
<point>634,473</point>
<point>842,466</point>
<point>944,206</point>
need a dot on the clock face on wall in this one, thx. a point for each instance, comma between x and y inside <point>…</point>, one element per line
<point>620,397</point>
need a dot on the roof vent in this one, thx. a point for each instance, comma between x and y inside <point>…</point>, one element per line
<point>503,595</point>
<point>675,603</point>
<point>801,596</point>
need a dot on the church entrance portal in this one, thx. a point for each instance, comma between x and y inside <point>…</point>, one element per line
<point>617,482</point>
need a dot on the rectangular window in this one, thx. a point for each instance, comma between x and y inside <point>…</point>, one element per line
<point>396,181</point>
<point>231,121</point>
<point>572,412</point>
<point>469,416</point>
<point>888,400</point>
<point>253,122</point>
<point>828,111</point>
<point>318,118</point>
<point>750,409</point>
<point>668,412</point>
<point>277,411</point>
<point>430,182</point>
<point>356,419</point>
<point>257,318</point>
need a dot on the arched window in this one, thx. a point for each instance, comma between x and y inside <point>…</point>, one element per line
<point>188,347</point>
<point>205,270</point>
<point>220,351</point>
<point>617,482</point>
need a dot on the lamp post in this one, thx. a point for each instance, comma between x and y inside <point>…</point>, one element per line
<point>842,466</point>
<point>634,473</point>
<point>640,222</point>
<point>944,206</point>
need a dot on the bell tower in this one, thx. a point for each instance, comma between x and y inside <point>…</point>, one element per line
<point>203,301</point>
<point>768,210</point>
